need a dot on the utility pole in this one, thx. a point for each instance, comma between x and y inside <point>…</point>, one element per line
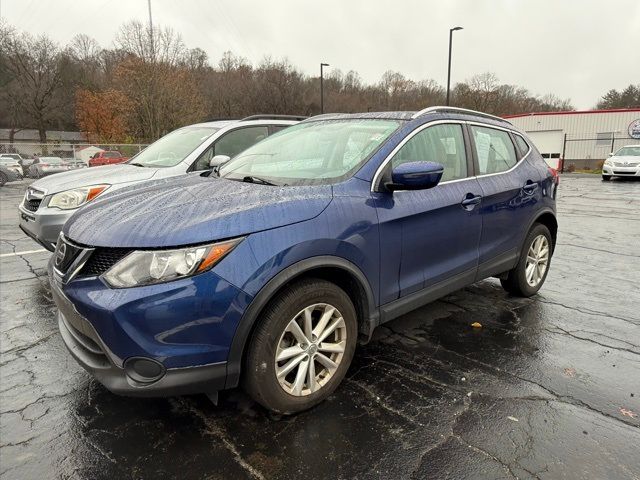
<point>451,30</point>
<point>322,65</point>
<point>153,53</point>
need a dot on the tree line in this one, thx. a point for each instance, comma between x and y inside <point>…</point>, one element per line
<point>150,83</point>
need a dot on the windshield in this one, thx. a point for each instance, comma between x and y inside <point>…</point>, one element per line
<point>14,156</point>
<point>311,153</point>
<point>628,152</point>
<point>173,148</point>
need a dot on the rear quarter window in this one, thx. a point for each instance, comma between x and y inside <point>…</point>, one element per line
<point>522,144</point>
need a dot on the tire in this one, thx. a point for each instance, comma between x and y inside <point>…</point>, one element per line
<point>3,179</point>
<point>606,178</point>
<point>517,281</point>
<point>274,334</point>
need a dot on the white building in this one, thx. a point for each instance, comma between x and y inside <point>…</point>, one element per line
<point>583,139</point>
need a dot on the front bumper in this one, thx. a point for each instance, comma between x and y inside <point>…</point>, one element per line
<point>104,328</point>
<point>616,171</point>
<point>44,225</point>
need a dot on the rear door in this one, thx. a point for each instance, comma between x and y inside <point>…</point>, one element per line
<point>430,236</point>
<point>511,191</point>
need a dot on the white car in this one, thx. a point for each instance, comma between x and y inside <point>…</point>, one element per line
<point>624,163</point>
<point>12,164</point>
<point>50,201</point>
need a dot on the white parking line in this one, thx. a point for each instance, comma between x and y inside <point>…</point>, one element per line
<point>26,252</point>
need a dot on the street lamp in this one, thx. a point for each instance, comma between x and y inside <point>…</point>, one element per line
<point>451,30</point>
<point>322,65</point>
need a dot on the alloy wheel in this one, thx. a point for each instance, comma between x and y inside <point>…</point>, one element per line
<point>310,349</point>
<point>537,260</point>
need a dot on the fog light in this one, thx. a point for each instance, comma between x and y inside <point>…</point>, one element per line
<point>143,370</point>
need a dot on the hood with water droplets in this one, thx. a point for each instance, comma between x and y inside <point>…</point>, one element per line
<point>190,210</point>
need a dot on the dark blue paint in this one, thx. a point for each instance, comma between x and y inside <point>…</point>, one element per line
<point>401,242</point>
<point>181,323</point>
<point>416,175</point>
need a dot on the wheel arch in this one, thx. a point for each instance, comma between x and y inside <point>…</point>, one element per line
<point>549,220</point>
<point>334,269</point>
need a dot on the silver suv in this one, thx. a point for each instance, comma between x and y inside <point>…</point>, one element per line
<point>49,202</point>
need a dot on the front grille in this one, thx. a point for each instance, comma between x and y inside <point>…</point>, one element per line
<point>621,172</point>
<point>102,259</point>
<point>630,164</point>
<point>32,205</point>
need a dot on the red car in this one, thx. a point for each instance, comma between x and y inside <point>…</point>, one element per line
<point>107,158</point>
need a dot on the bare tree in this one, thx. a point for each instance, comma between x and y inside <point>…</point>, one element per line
<point>33,63</point>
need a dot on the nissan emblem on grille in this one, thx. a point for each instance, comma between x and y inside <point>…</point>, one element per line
<point>61,252</point>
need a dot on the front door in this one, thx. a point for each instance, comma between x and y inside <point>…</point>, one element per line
<point>429,236</point>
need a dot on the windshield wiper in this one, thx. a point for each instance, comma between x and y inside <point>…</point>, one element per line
<point>261,181</point>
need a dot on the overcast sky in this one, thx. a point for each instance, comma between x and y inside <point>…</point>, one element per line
<point>576,49</point>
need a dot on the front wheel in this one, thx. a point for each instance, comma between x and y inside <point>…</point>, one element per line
<point>302,347</point>
<point>606,178</point>
<point>531,271</point>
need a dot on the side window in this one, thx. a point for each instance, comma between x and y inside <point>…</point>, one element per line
<point>238,140</point>
<point>495,150</point>
<point>443,144</point>
<point>231,144</point>
<point>522,145</point>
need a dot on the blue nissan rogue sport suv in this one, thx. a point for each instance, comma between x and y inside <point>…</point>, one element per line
<point>266,272</point>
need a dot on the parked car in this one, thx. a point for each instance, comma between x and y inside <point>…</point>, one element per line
<point>49,202</point>
<point>74,164</point>
<point>11,164</point>
<point>43,166</point>
<point>18,159</point>
<point>8,175</point>
<point>107,158</point>
<point>268,274</point>
<point>24,162</point>
<point>623,163</point>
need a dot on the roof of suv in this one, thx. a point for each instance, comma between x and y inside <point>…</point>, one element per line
<point>413,115</point>
<point>262,118</point>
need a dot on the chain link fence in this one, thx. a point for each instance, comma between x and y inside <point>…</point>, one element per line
<point>69,152</point>
<point>589,153</point>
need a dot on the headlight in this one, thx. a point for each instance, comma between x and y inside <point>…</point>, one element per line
<point>146,267</point>
<point>70,199</point>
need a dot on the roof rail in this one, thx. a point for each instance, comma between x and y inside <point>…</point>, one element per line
<point>274,117</point>
<point>457,110</point>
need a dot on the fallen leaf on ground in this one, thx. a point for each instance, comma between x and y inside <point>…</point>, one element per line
<point>476,325</point>
<point>513,419</point>
<point>570,372</point>
<point>628,413</point>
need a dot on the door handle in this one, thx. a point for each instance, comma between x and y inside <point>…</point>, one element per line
<point>470,201</point>
<point>530,187</point>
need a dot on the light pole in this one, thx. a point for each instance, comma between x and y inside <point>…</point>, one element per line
<point>451,30</point>
<point>322,65</point>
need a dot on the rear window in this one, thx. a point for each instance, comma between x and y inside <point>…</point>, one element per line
<point>112,154</point>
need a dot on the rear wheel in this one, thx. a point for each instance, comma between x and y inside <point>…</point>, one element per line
<point>3,178</point>
<point>606,178</point>
<point>302,347</point>
<point>531,271</point>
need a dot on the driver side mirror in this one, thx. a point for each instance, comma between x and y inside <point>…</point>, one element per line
<point>415,176</point>
<point>218,160</point>
<point>611,154</point>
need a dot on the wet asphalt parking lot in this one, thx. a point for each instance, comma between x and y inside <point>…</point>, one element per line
<point>548,387</point>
